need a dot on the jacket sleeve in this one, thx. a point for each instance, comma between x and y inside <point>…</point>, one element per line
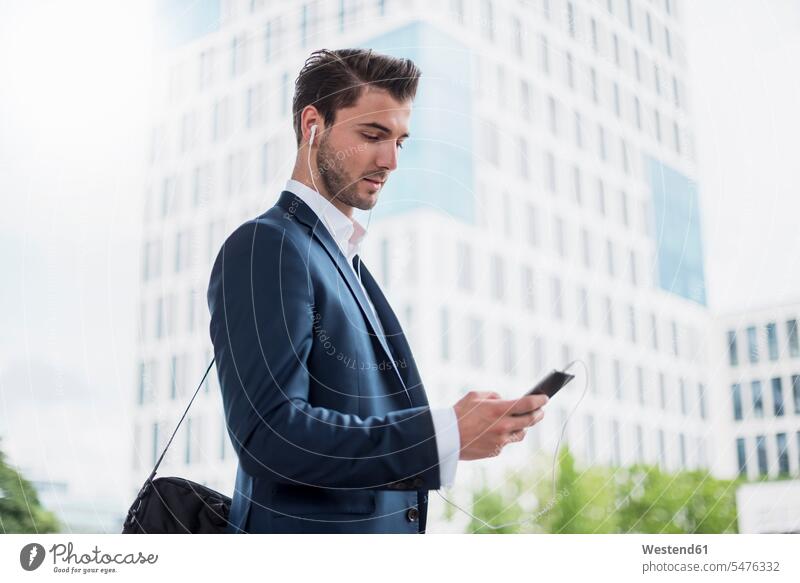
<point>259,296</point>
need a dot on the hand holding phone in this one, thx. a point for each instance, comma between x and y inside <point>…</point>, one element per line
<point>549,386</point>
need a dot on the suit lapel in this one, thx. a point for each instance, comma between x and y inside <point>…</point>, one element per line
<point>395,337</point>
<point>294,206</point>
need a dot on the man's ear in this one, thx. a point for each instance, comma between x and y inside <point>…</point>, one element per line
<point>309,119</point>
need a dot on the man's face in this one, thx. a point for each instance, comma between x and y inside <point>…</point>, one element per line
<point>356,155</point>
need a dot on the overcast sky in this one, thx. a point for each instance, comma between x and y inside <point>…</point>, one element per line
<point>73,120</point>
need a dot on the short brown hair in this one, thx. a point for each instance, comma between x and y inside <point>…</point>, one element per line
<point>332,80</point>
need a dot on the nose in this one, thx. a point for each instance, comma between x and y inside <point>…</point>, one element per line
<point>387,156</point>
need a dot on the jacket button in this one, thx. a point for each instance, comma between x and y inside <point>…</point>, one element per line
<point>412,515</point>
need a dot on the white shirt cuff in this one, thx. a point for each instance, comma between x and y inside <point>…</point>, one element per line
<point>448,443</point>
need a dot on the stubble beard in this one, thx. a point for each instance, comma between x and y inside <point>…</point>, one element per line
<point>338,183</point>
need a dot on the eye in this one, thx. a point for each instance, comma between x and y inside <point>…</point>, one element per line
<point>370,137</point>
<point>400,145</point>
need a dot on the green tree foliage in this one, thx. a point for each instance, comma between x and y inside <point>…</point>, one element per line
<point>601,499</point>
<point>20,511</point>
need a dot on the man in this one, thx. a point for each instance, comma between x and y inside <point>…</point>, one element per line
<point>323,401</point>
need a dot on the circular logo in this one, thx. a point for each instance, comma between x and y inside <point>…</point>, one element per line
<point>31,556</point>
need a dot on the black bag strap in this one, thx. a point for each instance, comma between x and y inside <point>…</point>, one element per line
<point>158,463</point>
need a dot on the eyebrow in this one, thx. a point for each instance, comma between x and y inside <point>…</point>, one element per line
<point>381,128</point>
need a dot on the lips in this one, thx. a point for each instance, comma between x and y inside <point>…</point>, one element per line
<point>374,182</point>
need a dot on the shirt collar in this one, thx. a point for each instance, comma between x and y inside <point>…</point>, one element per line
<point>348,233</point>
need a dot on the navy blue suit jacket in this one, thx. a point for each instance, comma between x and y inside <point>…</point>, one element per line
<point>329,420</point>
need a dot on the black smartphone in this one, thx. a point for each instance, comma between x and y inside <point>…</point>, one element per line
<point>549,385</point>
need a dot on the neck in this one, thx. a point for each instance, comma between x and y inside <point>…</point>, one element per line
<point>302,174</point>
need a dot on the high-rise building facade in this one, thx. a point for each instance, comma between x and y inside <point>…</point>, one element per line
<point>544,210</point>
<point>763,392</point>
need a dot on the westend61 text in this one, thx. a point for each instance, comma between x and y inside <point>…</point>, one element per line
<point>675,550</point>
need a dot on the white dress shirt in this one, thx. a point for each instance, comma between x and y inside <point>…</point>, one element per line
<point>348,234</point>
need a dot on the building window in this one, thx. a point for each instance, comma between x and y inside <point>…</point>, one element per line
<point>674,338</point>
<point>601,142</point>
<point>558,310</point>
<point>578,130</point>
<point>610,257</point>
<point>609,317</point>
<point>576,183</point>
<point>518,36</point>
<point>639,444</point>
<point>758,399</point>
<point>777,397</point>
<point>796,393</point>
<point>487,20</point>
<point>632,323</point>
<point>675,93</point>
<point>523,158</point>
<point>156,439</point>
<point>544,61</point>
<point>552,114</point>
<point>772,341</point>
<point>792,335</point>
<point>525,99</point>
<point>741,455</point>
<point>752,344</point>
<point>464,266</point>
<point>550,171</point>
<point>570,70</point>
<point>539,349</point>
<point>508,351</point>
<point>476,342</point>
<point>188,456</point>
<point>667,42</point>
<point>761,449</point>
<point>654,331</point>
<point>223,444</point>
<point>701,397</point>
<point>662,449</point>
<point>640,385</point>
<point>498,277</point>
<point>682,449</point>
<point>783,454</point>
<point>528,289</point>
<point>618,379</point>
<point>586,246</point>
<point>733,352</point>
<point>444,333</point>
<point>736,394</point>
<point>601,197</point>
<point>684,406</point>
<point>571,19</point>
<point>558,234</point>
<point>583,307</point>
<point>616,445</point>
<point>533,225</point>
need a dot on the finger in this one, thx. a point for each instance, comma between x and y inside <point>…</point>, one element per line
<point>517,436</point>
<point>487,394</point>
<point>524,404</point>
<point>521,422</point>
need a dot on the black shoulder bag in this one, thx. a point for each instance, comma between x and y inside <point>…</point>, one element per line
<point>177,505</point>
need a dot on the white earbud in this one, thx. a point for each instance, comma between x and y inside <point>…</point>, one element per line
<point>313,133</point>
